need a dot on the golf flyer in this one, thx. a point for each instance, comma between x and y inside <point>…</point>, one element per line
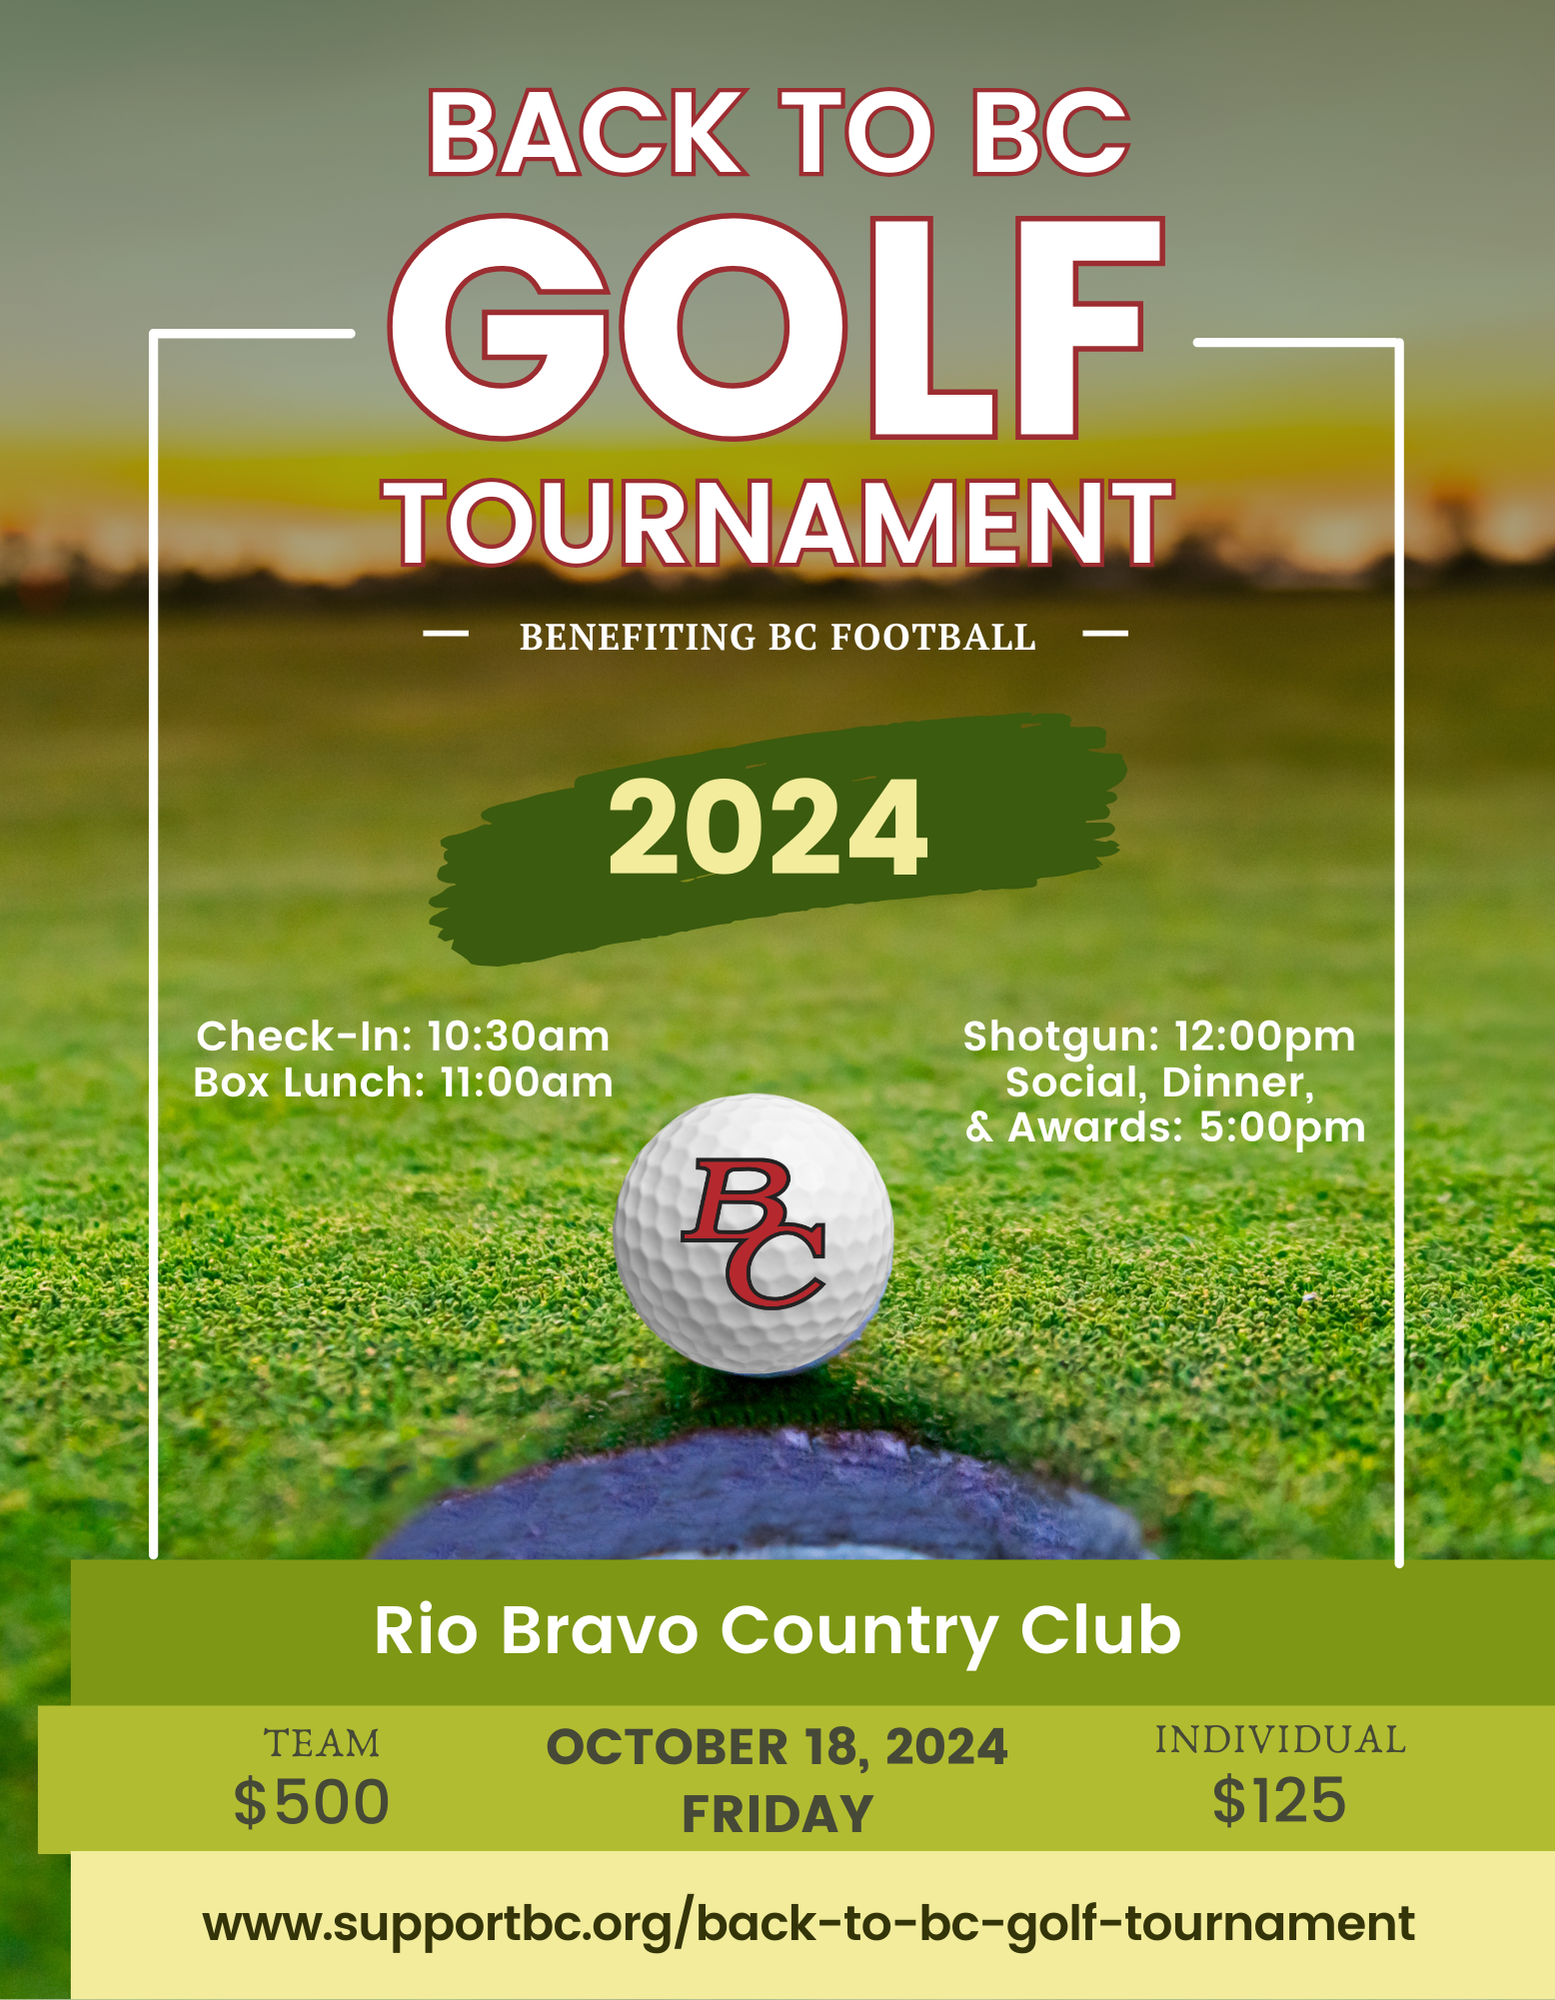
<point>776,1111</point>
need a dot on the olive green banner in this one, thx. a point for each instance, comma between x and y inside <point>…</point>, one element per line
<point>1030,1633</point>
<point>793,823</point>
<point>338,1777</point>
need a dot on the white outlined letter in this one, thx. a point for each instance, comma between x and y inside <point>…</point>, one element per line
<point>1085,536</point>
<point>443,130</point>
<point>462,535</point>
<point>1141,495</point>
<point>903,400</point>
<point>919,141</point>
<point>553,523</point>
<point>811,104</point>
<point>980,524</point>
<point>992,133</point>
<point>882,519</point>
<point>1054,327</point>
<point>692,132</point>
<point>814,327</point>
<point>591,132</point>
<point>638,526</point>
<point>413,518</point>
<point>538,114</point>
<point>570,346</point>
<point>816,523</point>
<point>716,510</point>
<point>1056,132</point>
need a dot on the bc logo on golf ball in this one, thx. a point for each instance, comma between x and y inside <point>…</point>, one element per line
<point>753,1234</point>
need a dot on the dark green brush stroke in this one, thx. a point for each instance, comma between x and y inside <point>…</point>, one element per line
<point>1003,800</point>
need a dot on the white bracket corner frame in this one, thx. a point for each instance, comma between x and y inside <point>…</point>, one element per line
<point>157,335</point>
<point>154,338</point>
<point>1391,341</point>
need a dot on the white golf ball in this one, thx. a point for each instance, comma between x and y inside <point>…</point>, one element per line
<point>753,1234</point>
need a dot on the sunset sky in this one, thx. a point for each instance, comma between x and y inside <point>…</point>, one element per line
<point>1373,168</point>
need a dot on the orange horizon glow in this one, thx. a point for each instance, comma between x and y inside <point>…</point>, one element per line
<point>1312,496</point>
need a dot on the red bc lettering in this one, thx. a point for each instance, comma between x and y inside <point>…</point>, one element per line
<point>717,1195</point>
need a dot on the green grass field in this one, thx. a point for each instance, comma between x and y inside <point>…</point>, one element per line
<point>364,1306</point>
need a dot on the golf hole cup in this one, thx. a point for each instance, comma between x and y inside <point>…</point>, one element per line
<point>754,1234</point>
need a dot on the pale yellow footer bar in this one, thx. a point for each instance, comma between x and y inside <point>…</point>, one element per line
<point>1203,1924</point>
